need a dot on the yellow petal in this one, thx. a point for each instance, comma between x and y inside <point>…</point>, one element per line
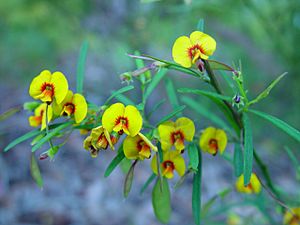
<point>37,83</point>
<point>80,107</point>
<point>154,164</point>
<point>179,164</point>
<point>221,138</point>
<point>60,86</point>
<point>111,115</point>
<point>180,51</point>
<point>187,127</point>
<point>87,143</point>
<point>49,115</point>
<point>57,108</point>
<point>206,42</point>
<point>256,185</point>
<point>135,120</point>
<point>208,133</point>
<point>130,147</point>
<point>107,136</point>
<point>289,217</point>
<point>165,130</point>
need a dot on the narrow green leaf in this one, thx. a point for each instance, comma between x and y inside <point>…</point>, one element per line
<point>266,92</point>
<point>205,93</point>
<point>215,65</point>
<point>156,107</point>
<point>238,160</point>
<point>37,139</point>
<point>118,93</point>
<point>248,149</point>
<point>196,194</point>
<point>22,139</point>
<point>10,113</point>
<point>154,82</point>
<point>147,183</point>
<point>50,135</point>
<point>30,106</point>
<point>125,165</point>
<point>129,179</point>
<point>125,100</point>
<point>172,114</point>
<point>182,179</point>
<point>114,163</point>
<point>293,132</point>
<point>81,67</point>
<point>161,200</point>
<point>35,171</point>
<point>171,92</point>
<point>193,156</point>
<point>140,64</point>
<point>200,25</point>
<point>208,114</point>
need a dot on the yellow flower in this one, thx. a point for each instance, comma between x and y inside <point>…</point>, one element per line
<point>171,161</point>
<point>175,133</point>
<point>99,139</point>
<point>213,140</point>
<point>119,118</point>
<point>187,50</point>
<point>291,219</point>
<point>39,117</point>
<point>253,187</point>
<point>47,86</point>
<point>73,104</point>
<point>138,147</point>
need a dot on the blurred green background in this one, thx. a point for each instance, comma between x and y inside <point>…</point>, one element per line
<point>264,35</point>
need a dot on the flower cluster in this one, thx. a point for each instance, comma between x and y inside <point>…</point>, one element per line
<point>117,120</point>
<point>57,100</point>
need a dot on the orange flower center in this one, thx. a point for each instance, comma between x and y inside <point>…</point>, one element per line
<point>194,52</point>
<point>143,148</point>
<point>168,166</point>
<point>47,89</point>
<point>121,124</point>
<point>69,109</point>
<point>213,145</point>
<point>295,220</point>
<point>177,136</point>
<point>249,186</point>
<point>102,141</point>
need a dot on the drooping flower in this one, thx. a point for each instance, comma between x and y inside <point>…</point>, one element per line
<point>254,186</point>
<point>72,105</point>
<point>175,133</point>
<point>47,86</point>
<point>172,160</point>
<point>138,147</point>
<point>99,139</point>
<point>39,117</point>
<point>213,140</point>
<point>119,118</point>
<point>188,50</point>
<point>291,219</point>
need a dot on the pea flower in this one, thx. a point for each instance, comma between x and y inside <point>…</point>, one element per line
<point>138,147</point>
<point>99,139</point>
<point>172,160</point>
<point>72,105</point>
<point>119,118</point>
<point>188,50</point>
<point>39,117</point>
<point>47,86</point>
<point>175,133</point>
<point>213,140</point>
<point>291,219</point>
<point>253,187</point>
